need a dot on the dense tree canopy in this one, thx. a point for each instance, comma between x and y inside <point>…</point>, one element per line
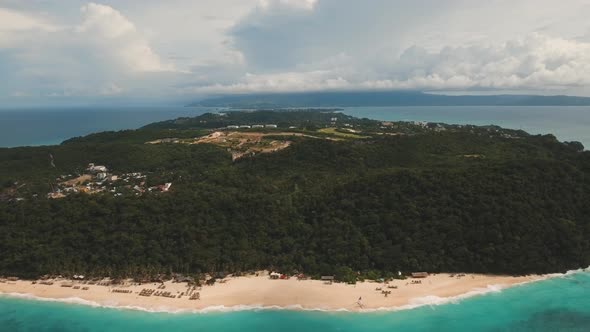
<point>435,201</point>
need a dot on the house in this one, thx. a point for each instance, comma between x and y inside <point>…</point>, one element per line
<point>165,187</point>
<point>270,126</point>
<point>96,168</point>
<point>419,274</point>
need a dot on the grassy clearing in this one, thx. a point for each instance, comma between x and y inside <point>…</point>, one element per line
<point>335,132</point>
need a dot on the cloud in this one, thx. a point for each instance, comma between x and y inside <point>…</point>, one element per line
<point>111,89</point>
<point>281,82</point>
<point>13,23</point>
<point>398,44</point>
<point>534,62</point>
<point>267,5</point>
<point>182,48</point>
<point>114,33</point>
<point>84,58</point>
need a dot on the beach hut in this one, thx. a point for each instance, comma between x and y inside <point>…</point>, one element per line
<point>327,279</point>
<point>419,274</point>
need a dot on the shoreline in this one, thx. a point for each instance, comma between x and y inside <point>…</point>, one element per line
<point>261,294</point>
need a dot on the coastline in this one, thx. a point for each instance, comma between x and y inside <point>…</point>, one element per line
<point>262,293</point>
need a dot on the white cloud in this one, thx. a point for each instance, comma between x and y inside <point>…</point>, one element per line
<point>62,60</point>
<point>73,47</point>
<point>281,82</point>
<point>111,30</point>
<point>11,21</point>
<point>297,4</point>
<point>535,62</point>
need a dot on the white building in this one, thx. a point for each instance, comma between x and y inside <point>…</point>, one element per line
<point>97,168</point>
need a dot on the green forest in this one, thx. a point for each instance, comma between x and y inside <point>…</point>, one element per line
<point>406,197</point>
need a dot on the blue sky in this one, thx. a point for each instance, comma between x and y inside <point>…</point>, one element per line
<point>124,50</point>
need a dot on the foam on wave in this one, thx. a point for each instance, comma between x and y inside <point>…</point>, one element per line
<point>414,303</point>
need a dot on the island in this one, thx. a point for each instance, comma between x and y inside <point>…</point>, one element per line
<point>310,209</point>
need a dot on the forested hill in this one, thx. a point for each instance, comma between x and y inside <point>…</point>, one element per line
<point>312,191</point>
<point>384,98</point>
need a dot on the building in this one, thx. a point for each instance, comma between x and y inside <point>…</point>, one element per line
<point>258,126</point>
<point>245,127</point>
<point>232,127</point>
<point>328,279</point>
<point>96,168</point>
<point>419,274</point>
<point>270,126</point>
<point>165,187</point>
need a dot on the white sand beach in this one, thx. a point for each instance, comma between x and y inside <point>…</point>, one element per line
<point>261,291</point>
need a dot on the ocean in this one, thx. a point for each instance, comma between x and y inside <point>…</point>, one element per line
<point>569,123</point>
<point>556,304</point>
<point>19,127</point>
<point>33,127</point>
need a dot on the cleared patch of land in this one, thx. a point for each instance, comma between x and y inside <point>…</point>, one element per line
<point>244,143</point>
<point>78,181</point>
<point>335,132</point>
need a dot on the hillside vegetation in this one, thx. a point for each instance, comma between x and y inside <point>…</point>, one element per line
<point>399,197</point>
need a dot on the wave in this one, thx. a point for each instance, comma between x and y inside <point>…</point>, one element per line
<point>414,302</point>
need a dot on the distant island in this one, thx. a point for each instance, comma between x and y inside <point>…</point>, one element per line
<point>383,98</point>
<point>308,192</point>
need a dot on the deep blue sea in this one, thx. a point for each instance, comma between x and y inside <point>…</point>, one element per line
<point>19,127</point>
<point>556,304</point>
<point>51,126</point>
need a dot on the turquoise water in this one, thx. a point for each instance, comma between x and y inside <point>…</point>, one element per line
<point>557,304</point>
<point>51,126</point>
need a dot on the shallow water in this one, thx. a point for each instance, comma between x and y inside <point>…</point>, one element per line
<point>556,304</point>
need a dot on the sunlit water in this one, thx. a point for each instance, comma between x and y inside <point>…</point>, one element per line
<point>556,304</point>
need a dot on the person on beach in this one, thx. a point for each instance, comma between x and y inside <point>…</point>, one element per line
<point>359,303</point>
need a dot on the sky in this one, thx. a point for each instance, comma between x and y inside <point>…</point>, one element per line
<point>127,50</point>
